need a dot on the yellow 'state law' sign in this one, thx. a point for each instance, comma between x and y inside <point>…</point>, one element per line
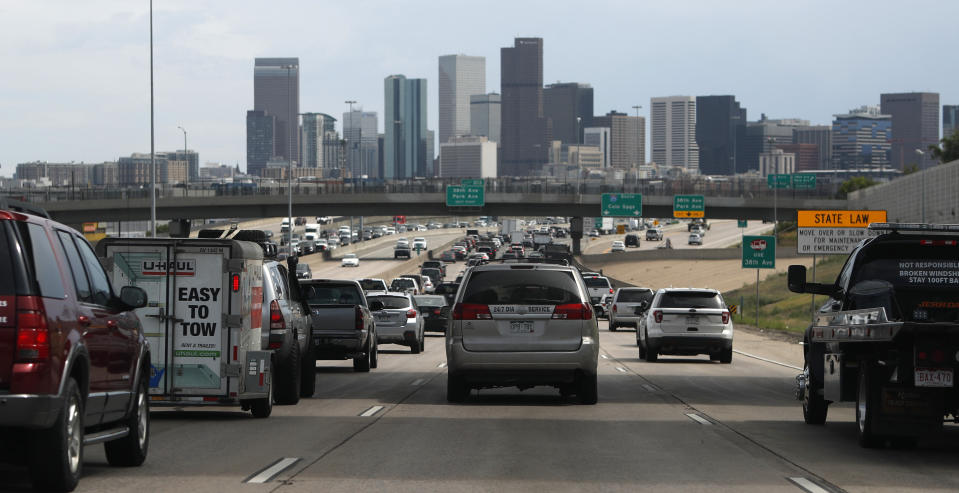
<point>839,219</point>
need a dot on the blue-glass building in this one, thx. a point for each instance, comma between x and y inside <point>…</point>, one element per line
<point>862,139</point>
<point>407,150</point>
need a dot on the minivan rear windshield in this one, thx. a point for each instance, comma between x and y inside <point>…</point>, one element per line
<point>519,287</point>
<point>635,295</point>
<point>597,282</point>
<point>691,299</point>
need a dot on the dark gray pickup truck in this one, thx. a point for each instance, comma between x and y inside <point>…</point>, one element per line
<point>342,325</point>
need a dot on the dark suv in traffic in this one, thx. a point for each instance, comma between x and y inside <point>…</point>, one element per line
<point>74,363</point>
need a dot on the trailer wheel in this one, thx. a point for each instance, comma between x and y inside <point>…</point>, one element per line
<point>866,406</point>
<point>262,408</point>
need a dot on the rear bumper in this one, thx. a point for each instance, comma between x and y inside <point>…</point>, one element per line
<point>29,410</point>
<point>690,344</point>
<point>437,324</point>
<point>339,346</point>
<point>513,368</point>
<point>624,320</point>
<point>397,334</point>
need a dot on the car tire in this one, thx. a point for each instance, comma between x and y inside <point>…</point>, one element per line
<point>56,458</point>
<point>866,406</point>
<point>642,349</point>
<point>612,326</point>
<point>814,405</point>
<point>375,355</point>
<point>415,347</point>
<point>652,355</point>
<point>363,362</point>
<point>588,389</point>
<point>263,408</point>
<point>131,450</point>
<point>287,379</point>
<point>423,342</point>
<point>456,389</point>
<point>308,370</point>
<point>726,356</point>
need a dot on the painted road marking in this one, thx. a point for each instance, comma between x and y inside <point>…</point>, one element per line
<point>371,411</point>
<point>418,381</point>
<point>272,470</point>
<point>604,356</point>
<point>441,365</point>
<point>621,369</point>
<point>808,485</point>
<point>650,388</point>
<point>695,417</point>
<point>760,358</point>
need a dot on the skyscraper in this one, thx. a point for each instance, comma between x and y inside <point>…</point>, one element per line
<point>485,116</point>
<point>460,77</point>
<point>861,139</point>
<point>821,136</point>
<point>915,125</point>
<point>627,138</point>
<point>950,119</point>
<point>523,129</point>
<point>406,134</point>
<point>763,136</point>
<point>673,132</point>
<point>563,103</point>
<point>359,130</point>
<point>599,137</point>
<point>276,90</point>
<point>311,140</point>
<point>720,128</point>
<point>260,130</point>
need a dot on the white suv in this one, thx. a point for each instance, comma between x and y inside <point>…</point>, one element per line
<point>522,325</point>
<point>686,321</point>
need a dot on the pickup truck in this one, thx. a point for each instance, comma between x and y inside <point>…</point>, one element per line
<point>343,327</point>
<point>888,336</point>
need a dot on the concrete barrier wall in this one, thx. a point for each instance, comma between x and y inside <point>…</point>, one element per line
<point>903,198</point>
<point>678,254</point>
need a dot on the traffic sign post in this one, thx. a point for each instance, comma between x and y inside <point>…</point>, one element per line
<point>689,206</point>
<point>622,205</point>
<point>759,252</point>
<point>465,196</point>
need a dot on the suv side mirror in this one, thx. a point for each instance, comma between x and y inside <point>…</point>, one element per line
<point>376,306</point>
<point>133,297</point>
<point>796,278</point>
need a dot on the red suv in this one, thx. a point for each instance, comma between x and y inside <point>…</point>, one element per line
<point>74,363</point>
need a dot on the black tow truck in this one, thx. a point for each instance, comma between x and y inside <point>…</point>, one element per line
<point>888,336</point>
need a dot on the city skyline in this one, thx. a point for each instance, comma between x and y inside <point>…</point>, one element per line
<point>100,112</point>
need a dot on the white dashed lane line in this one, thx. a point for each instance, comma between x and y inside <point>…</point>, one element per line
<point>418,382</point>
<point>699,419</point>
<point>272,470</point>
<point>808,485</point>
<point>441,365</point>
<point>371,411</point>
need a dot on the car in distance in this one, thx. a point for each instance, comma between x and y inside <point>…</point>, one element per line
<point>617,246</point>
<point>59,312</point>
<point>686,321</point>
<point>350,260</point>
<point>303,271</point>
<point>654,234</point>
<point>522,325</point>
<point>435,310</point>
<point>404,285</point>
<point>372,285</point>
<point>598,289</point>
<point>402,250</point>
<point>398,321</point>
<point>627,307</point>
<point>448,256</point>
<point>695,239</point>
<point>631,240</point>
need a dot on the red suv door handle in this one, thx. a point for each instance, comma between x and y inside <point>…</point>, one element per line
<point>84,320</point>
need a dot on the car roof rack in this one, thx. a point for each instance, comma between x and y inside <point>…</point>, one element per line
<point>915,227</point>
<point>24,207</point>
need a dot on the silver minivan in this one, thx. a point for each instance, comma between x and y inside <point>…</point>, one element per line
<point>522,325</point>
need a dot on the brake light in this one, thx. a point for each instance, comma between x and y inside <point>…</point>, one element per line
<point>937,242</point>
<point>658,316</point>
<point>614,308</point>
<point>610,290</point>
<point>236,283</point>
<point>573,311</point>
<point>276,316</point>
<point>471,311</point>
<point>436,311</point>
<point>725,317</point>
<point>358,318</point>
<point>33,338</point>
<point>411,313</point>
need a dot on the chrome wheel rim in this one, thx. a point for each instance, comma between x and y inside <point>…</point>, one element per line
<point>861,405</point>
<point>143,421</point>
<point>805,394</point>
<point>74,435</point>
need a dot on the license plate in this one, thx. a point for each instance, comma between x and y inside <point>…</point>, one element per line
<point>933,378</point>
<point>521,327</point>
<point>693,320</point>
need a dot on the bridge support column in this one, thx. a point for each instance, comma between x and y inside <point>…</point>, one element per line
<point>576,233</point>
<point>179,228</point>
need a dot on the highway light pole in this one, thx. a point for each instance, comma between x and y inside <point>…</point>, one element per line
<point>922,193</point>
<point>184,142</point>
<point>349,150</point>
<point>639,159</point>
<point>289,140</point>
<point>153,163</point>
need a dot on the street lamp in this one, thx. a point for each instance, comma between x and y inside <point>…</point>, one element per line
<point>639,159</point>
<point>289,140</point>
<point>350,155</point>
<point>153,162</point>
<point>922,193</point>
<point>185,154</point>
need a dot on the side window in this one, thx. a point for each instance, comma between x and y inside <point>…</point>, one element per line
<point>76,266</point>
<point>285,279</point>
<point>44,262</point>
<point>99,284</point>
<point>278,286</point>
<point>843,280</point>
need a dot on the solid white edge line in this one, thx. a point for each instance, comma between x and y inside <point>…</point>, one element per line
<point>441,365</point>
<point>760,358</point>
<point>418,381</point>
<point>604,356</point>
<point>621,369</point>
<point>650,388</point>
<point>271,471</point>
<point>701,420</point>
<point>371,411</point>
<point>808,485</point>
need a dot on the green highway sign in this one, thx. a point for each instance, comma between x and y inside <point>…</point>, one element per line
<point>759,252</point>
<point>471,182</point>
<point>465,196</point>
<point>622,204</point>
<point>598,222</point>
<point>742,223</point>
<point>689,206</point>
<point>804,181</point>
<point>779,180</point>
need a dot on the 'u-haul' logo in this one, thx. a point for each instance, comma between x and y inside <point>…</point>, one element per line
<point>181,267</point>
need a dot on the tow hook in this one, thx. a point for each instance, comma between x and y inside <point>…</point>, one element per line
<point>801,380</point>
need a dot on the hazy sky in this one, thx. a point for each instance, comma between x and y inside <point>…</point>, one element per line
<point>75,79</point>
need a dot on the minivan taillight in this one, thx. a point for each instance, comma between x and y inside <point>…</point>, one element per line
<point>471,311</point>
<point>573,311</point>
<point>658,316</point>
<point>33,338</point>
<point>725,316</point>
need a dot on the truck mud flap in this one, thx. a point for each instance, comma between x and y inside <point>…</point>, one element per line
<point>909,411</point>
<point>258,375</point>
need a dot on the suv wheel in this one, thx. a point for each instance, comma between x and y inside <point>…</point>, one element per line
<point>131,450</point>
<point>651,355</point>
<point>588,389</point>
<point>456,389</point>
<point>726,356</point>
<point>57,453</point>
<point>363,362</point>
<point>288,376</point>
<point>308,370</point>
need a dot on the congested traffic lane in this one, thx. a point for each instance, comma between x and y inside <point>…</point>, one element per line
<point>722,233</point>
